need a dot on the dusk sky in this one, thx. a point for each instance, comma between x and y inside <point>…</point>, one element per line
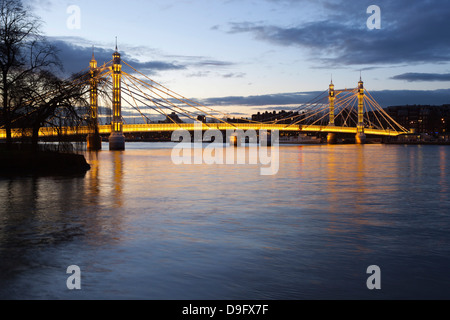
<point>258,54</point>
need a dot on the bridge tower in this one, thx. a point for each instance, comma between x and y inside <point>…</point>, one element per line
<point>360,135</point>
<point>117,139</point>
<point>94,141</point>
<point>331,138</point>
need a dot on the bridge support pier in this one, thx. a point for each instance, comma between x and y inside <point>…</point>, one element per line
<point>332,138</point>
<point>116,141</point>
<point>235,140</point>
<point>360,138</point>
<point>94,142</point>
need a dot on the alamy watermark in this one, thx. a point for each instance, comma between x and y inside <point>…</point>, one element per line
<point>73,22</point>
<point>74,281</point>
<point>374,281</point>
<point>253,148</point>
<point>374,21</point>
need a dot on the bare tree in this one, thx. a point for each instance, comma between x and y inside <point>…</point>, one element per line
<point>43,99</point>
<point>23,51</point>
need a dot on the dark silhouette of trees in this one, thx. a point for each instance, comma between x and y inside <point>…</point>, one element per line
<point>23,51</point>
<point>31,95</point>
<point>45,100</point>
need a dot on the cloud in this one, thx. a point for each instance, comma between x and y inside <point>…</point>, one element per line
<point>214,63</point>
<point>411,32</point>
<point>198,74</point>
<point>285,101</point>
<point>42,4</point>
<point>412,77</point>
<point>234,75</point>
<point>263,100</point>
<point>75,56</point>
<point>388,98</point>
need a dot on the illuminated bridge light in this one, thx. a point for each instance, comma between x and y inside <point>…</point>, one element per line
<point>136,128</point>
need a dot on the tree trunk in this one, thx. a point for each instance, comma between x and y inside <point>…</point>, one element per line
<point>6,113</point>
<point>35,139</point>
<point>8,133</point>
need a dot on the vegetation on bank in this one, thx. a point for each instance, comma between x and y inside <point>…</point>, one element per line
<point>33,95</point>
<point>17,162</point>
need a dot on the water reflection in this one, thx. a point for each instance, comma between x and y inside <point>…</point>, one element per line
<point>443,182</point>
<point>40,213</point>
<point>93,186</point>
<point>118,178</point>
<point>35,215</point>
<point>142,227</point>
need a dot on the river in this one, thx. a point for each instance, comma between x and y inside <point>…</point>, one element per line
<point>141,227</point>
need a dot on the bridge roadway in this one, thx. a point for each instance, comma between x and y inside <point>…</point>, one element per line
<point>136,128</point>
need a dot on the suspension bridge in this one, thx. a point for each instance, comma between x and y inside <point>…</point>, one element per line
<point>348,111</point>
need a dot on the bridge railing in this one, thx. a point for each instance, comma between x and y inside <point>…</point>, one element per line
<point>169,127</point>
<point>205,126</point>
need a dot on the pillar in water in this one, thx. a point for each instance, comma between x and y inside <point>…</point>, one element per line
<point>117,139</point>
<point>94,141</point>
<point>360,135</point>
<point>331,138</point>
<point>235,140</point>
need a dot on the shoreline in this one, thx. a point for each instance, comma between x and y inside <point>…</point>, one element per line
<point>316,142</point>
<point>20,163</point>
<point>418,143</point>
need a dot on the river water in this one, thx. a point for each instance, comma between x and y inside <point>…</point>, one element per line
<point>140,227</point>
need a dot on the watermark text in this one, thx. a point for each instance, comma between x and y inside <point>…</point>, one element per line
<point>248,147</point>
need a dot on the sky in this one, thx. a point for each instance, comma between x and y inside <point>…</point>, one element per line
<point>254,55</point>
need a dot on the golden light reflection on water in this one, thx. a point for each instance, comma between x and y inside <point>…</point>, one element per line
<point>118,178</point>
<point>104,182</point>
<point>93,177</point>
<point>354,179</point>
<point>135,211</point>
<point>350,175</point>
<point>103,195</point>
<point>349,183</point>
<point>346,182</point>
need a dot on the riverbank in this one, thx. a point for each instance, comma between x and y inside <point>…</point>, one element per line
<point>419,143</point>
<point>19,162</point>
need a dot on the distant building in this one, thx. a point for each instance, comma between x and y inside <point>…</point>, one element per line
<point>426,119</point>
<point>172,118</point>
<point>201,119</point>
<point>282,117</point>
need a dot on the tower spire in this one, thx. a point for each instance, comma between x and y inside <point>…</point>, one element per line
<point>93,61</point>
<point>116,45</point>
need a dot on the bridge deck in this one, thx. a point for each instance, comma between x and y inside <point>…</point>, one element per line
<point>169,127</point>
